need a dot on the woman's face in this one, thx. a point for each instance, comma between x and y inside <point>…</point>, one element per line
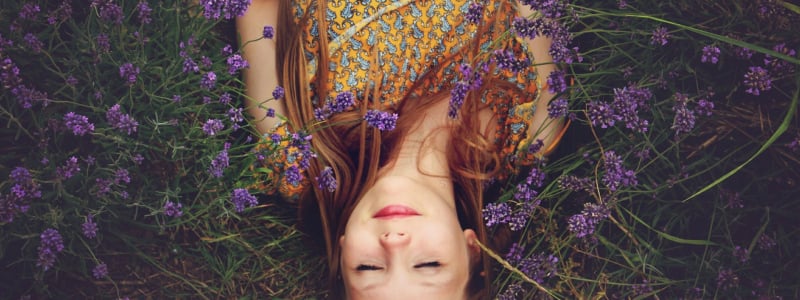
<point>403,240</point>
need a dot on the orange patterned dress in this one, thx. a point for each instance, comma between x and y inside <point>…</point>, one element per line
<point>410,38</point>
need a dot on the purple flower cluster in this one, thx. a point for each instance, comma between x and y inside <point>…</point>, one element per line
<point>220,163</point>
<point>561,38</point>
<point>109,11</point>
<point>228,9</point>
<point>616,175</point>
<point>242,198</point>
<point>575,183</point>
<point>22,192</point>
<point>506,60</point>
<point>757,80</point>
<point>382,120</point>
<point>558,108</point>
<point>556,82</point>
<point>660,36</point>
<point>474,13</point>
<point>550,9</point>
<point>326,180</point>
<point>512,292</point>
<point>121,121</point>
<point>50,245</point>
<point>62,13</point>
<point>628,101</point>
<point>100,271</point>
<point>777,66</point>
<point>268,32</point>
<point>472,80</point>
<point>69,168</point>
<point>537,267</point>
<point>208,80</point>
<point>766,242</point>
<point>727,279</point>
<point>89,227</point>
<point>79,124</point>
<point>143,12</point>
<point>584,224</point>
<point>341,103</point>
<point>235,63</point>
<point>103,43</point>
<point>129,72</point>
<point>213,126</point>
<point>173,209</point>
<point>33,42</point>
<point>642,289</point>
<point>279,92</point>
<point>29,11</point>
<point>710,54</point>
<point>684,120</point>
<point>741,254</point>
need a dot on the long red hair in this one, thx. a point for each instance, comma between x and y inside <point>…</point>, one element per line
<point>355,151</point>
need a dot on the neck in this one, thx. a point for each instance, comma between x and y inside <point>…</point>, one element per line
<point>422,154</point>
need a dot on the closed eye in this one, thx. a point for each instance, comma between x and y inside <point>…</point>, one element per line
<point>430,264</point>
<point>367,268</point>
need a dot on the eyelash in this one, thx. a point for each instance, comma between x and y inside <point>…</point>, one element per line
<point>430,264</point>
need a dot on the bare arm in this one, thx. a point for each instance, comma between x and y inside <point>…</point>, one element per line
<point>261,77</point>
<point>542,127</point>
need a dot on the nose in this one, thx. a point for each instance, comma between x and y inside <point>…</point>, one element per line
<point>394,239</point>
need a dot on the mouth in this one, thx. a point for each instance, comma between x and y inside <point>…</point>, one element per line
<point>395,211</point>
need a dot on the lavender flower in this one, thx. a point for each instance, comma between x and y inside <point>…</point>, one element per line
<point>29,11</point>
<point>220,163</point>
<point>24,190</point>
<point>189,65</point>
<point>214,9</point>
<point>539,267</point>
<point>474,13</point>
<point>743,53</point>
<point>710,54</point>
<point>660,36</point>
<point>557,108</point>
<point>757,80</point>
<point>270,112</point>
<point>27,97</point>
<point>89,227</point>
<point>457,96</point>
<point>100,271</point>
<point>741,254</point>
<point>144,11</point>
<point>616,175</point>
<point>213,126</point>
<point>278,93</point>
<point>326,180</point>
<point>550,9</point>
<point>766,242</point>
<point>342,102</point>
<point>173,209</point>
<point>727,279</point>
<point>506,60</point>
<point>235,114</point>
<point>574,183</point>
<point>642,289</point>
<point>704,107</point>
<point>776,65</point>
<point>69,168</point>
<point>79,124</point>
<point>129,72</point>
<point>684,120</point>
<point>208,81</point>
<point>71,80</point>
<point>269,32</point>
<point>121,121</point>
<point>383,121</point>
<point>50,245</point>
<point>601,113</point>
<point>109,11</point>
<point>512,292</point>
<point>584,224</point>
<point>496,213</point>
<point>103,43</point>
<point>240,198</point>
<point>235,63</point>
<point>33,42</point>
<point>556,83</point>
<point>293,175</point>
<point>122,176</point>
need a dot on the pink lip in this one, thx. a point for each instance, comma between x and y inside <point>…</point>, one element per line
<point>395,211</point>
